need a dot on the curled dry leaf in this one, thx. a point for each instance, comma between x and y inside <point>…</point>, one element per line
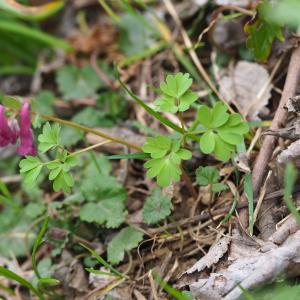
<point>101,280</point>
<point>214,254</point>
<point>250,272</point>
<point>293,104</point>
<point>288,227</point>
<point>247,88</point>
<point>292,153</point>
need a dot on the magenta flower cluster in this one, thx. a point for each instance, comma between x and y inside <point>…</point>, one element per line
<point>10,131</point>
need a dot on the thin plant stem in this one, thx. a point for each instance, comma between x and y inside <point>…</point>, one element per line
<point>79,151</point>
<point>109,11</point>
<point>93,131</point>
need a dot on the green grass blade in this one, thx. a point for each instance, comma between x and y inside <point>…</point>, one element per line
<point>16,70</point>
<point>103,262</point>
<point>169,289</point>
<point>290,176</point>
<point>109,11</point>
<point>249,193</point>
<point>31,12</point>
<point>31,33</point>
<point>231,211</point>
<point>37,243</point>
<point>15,277</point>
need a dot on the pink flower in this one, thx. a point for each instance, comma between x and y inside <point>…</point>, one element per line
<point>6,134</point>
<point>27,146</point>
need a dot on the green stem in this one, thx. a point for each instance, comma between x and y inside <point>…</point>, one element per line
<point>93,131</point>
<point>109,11</point>
<point>79,152</point>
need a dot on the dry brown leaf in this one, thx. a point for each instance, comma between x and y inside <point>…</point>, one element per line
<point>289,226</point>
<point>246,86</point>
<point>100,280</point>
<point>250,271</point>
<point>292,153</point>
<point>214,254</point>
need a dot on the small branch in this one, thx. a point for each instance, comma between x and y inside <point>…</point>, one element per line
<point>261,164</point>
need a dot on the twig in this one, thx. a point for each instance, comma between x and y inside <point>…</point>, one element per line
<point>261,164</point>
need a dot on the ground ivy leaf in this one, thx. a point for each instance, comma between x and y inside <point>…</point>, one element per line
<point>110,213</point>
<point>127,239</point>
<point>157,207</point>
<point>102,187</point>
<point>76,83</point>
<point>33,210</point>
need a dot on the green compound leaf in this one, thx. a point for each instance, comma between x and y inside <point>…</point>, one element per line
<point>222,132</point>
<point>30,167</point>
<point>157,207</point>
<point>76,83</point>
<point>157,146</point>
<point>49,138</point>
<point>261,32</point>
<point>126,240</point>
<point>207,175</point>
<point>176,95</point>
<point>110,213</point>
<point>59,172</point>
<point>166,158</point>
<point>210,176</point>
